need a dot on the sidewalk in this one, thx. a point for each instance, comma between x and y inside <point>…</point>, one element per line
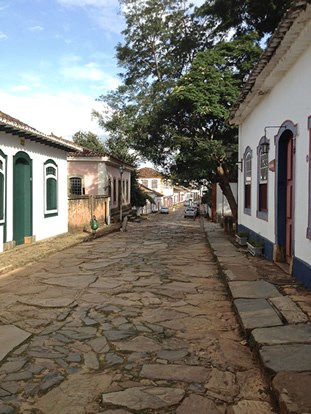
<point>274,313</point>
<point>26,254</point>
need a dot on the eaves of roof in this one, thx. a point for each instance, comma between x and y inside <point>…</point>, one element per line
<point>13,126</point>
<point>288,42</point>
<point>149,190</point>
<point>90,155</point>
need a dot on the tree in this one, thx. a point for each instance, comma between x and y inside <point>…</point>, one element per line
<point>161,39</point>
<point>243,16</point>
<point>181,76</point>
<point>88,140</point>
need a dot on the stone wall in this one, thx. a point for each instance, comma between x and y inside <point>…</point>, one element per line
<point>82,208</point>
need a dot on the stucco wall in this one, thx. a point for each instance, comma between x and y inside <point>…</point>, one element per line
<point>88,171</point>
<point>81,209</point>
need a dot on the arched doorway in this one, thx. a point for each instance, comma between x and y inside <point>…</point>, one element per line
<point>22,197</point>
<point>285,193</point>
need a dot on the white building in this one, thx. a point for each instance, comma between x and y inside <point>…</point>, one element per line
<point>155,181</point>
<point>33,183</point>
<point>274,118</point>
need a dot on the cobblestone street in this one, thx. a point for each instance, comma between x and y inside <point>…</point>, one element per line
<point>134,322</point>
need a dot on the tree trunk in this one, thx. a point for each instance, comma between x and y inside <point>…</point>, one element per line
<point>224,184</point>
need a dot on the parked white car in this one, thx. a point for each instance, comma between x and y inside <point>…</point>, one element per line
<point>164,210</point>
<point>190,212</point>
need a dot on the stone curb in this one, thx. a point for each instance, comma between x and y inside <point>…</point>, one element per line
<point>277,330</point>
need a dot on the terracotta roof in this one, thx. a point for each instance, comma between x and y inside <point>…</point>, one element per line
<point>289,18</point>
<point>149,173</point>
<point>149,190</point>
<point>14,126</point>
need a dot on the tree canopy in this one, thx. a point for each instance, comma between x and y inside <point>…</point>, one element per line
<point>88,140</point>
<point>182,71</point>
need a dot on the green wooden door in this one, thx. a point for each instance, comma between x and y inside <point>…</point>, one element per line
<point>22,197</point>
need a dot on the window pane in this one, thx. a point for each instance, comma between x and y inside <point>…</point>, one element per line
<point>248,169</point>
<point>75,186</point>
<point>247,179</point>
<point>114,190</point>
<point>247,196</point>
<point>1,196</point>
<point>263,204</point>
<point>263,167</point>
<point>51,201</point>
<point>51,171</point>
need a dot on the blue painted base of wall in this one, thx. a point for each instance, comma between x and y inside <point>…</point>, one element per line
<point>301,269</point>
<point>302,272</point>
<point>268,245</point>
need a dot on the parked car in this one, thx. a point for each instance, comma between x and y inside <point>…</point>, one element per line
<point>190,212</point>
<point>164,210</point>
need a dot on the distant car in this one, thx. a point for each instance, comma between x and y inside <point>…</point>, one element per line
<point>164,210</point>
<point>190,212</point>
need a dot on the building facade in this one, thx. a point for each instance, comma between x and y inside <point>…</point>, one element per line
<point>33,183</point>
<point>274,118</point>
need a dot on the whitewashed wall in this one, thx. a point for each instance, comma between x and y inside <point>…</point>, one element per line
<point>39,154</point>
<point>289,100</point>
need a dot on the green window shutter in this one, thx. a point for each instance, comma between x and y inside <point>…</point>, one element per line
<point>51,194</point>
<point>1,196</point>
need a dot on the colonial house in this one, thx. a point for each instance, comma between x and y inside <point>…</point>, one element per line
<point>151,207</point>
<point>155,181</point>
<point>92,173</point>
<point>273,113</point>
<point>33,183</point>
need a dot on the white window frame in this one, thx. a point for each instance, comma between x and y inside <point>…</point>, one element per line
<point>47,176</point>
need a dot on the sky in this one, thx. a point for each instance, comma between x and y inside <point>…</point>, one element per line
<point>56,58</point>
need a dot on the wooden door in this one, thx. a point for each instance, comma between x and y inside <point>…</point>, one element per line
<point>22,200</point>
<point>289,201</point>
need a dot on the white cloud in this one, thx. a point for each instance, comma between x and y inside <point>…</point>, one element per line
<point>63,113</point>
<point>20,88</point>
<point>104,12</point>
<point>3,5</point>
<point>88,71</point>
<point>91,71</point>
<point>3,36</point>
<point>36,28</point>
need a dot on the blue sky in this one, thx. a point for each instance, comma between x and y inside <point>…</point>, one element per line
<point>57,57</point>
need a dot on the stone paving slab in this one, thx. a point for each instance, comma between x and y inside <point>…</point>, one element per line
<point>289,310</point>
<point>293,391</point>
<point>238,272</point>
<point>283,335</point>
<point>141,398</point>
<point>288,357</point>
<point>11,337</point>
<point>256,313</point>
<point>233,260</point>
<point>254,289</point>
<point>250,407</point>
<point>175,372</point>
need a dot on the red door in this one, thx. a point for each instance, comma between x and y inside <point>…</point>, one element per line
<point>289,201</point>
